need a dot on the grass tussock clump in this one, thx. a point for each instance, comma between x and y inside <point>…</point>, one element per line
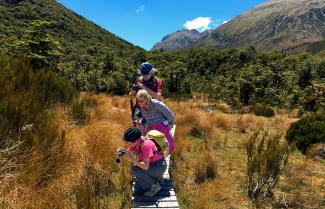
<point>205,169</point>
<point>80,108</point>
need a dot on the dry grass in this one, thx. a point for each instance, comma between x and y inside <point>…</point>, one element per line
<point>222,136</point>
<point>82,173</point>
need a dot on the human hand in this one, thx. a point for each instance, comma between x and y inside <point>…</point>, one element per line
<point>141,86</point>
<point>121,152</point>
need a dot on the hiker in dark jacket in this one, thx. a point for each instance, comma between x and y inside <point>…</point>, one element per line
<point>147,81</point>
<point>149,164</point>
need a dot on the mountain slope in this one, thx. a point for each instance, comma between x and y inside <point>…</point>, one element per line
<point>277,24</point>
<point>90,53</point>
<point>180,40</point>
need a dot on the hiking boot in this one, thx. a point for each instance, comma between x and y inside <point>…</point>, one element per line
<point>153,190</point>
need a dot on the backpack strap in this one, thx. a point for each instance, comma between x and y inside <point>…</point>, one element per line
<point>156,144</point>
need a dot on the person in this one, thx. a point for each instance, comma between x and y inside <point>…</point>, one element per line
<point>149,164</point>
<point>147,81</point>
<point>156,116</point>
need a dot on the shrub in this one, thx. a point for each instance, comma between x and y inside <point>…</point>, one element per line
<point>261,110</point>
<point>27,95</point>
<point>266,159</point>
<point>307,131</point>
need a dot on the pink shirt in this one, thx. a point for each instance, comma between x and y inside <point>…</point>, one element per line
<point>147,150</point>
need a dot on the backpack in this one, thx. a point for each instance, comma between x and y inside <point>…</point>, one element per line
<point>160,141</point>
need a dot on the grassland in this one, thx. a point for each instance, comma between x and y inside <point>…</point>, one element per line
<point>208,169</point>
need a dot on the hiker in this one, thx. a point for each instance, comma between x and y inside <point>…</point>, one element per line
<point>149,164</point>
<point>156,116</point>
<point>146,81</point>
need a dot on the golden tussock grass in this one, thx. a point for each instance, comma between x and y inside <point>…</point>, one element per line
<point>222,136</point>
<point>81,172</point>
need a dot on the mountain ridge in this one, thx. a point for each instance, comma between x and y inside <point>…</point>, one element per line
<point>179,40</point>
<point>290,25</point>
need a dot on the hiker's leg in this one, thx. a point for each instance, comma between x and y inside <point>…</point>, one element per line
<point>143,178</point>
<point>157,170</point>
<point>165,130</point>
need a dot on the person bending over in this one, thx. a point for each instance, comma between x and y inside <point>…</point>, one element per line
<point>156,116</point>
<point>149,164</point>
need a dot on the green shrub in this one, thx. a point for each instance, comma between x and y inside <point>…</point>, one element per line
<point>307,131</point>
<point>26,95</point>
<point>266,158</point>
<point>261,110</point>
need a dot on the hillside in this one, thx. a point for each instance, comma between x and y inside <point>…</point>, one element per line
<point>292,25</point>
<point>276,24</point>
<point>86,47</point>
<point>179,40</point>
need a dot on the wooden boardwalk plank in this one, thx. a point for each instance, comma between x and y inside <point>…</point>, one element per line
<point>156,204</point>
<point>164,199</point>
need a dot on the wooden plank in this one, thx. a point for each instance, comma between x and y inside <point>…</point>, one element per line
<point>166,183</point>
<point>159,208</point>
<point>155,204</point>
<point>154,199</point>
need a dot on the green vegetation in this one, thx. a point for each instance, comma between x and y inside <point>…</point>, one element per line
<point>266,159</point>
<point>92,58</point>
<point>265,111</point>
<point>96,60</point>
<point>244,77</point>
<point>307,131</point>
<point>27,95</point>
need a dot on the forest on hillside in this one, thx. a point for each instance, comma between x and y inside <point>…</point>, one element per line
<point>236,76</point>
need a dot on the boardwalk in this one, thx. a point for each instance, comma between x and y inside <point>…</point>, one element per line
<point>165,198</point>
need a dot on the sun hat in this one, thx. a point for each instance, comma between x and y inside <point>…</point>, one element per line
<point>146,68</point>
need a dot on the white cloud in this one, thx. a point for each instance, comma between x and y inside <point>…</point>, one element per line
<point>140,9</point>
<point>200,24</point>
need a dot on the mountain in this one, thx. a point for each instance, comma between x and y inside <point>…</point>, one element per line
<point>90,53</point>
<point>180,39</point>
<point>274,25</point>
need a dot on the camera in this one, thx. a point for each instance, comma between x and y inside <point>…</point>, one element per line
<point>135,87</point>
<point>120,153</point>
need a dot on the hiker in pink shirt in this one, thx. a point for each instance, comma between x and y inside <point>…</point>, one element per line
<point>149,164</point>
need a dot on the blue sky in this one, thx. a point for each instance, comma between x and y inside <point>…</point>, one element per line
<point>145,22</point>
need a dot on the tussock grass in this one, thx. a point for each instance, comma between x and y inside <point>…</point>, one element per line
<point>223,141</point>
<point>77,169</point>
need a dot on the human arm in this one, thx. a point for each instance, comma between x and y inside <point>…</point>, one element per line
<point>144,164</point>
<point>153,94</point>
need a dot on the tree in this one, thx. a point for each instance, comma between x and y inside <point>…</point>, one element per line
<point>37,45</point>
<point>305,77</point>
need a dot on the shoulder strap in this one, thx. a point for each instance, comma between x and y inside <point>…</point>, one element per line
<point>156,144</point>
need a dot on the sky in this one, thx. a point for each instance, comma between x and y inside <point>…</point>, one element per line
<point>146,22</point>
